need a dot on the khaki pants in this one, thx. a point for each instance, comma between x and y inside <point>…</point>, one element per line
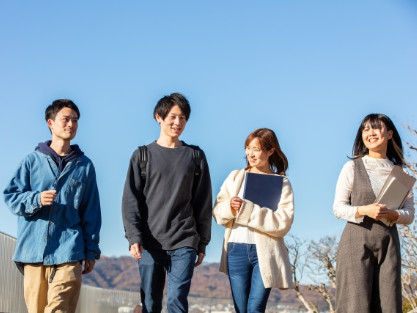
<point>58,296</point>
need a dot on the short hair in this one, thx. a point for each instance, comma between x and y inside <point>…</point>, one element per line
<point>395,146</point>
<point>278,162</point>
<point>166,103</point>
<point>56,106</point>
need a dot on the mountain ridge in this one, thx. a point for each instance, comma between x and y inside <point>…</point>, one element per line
<point>121,273</point>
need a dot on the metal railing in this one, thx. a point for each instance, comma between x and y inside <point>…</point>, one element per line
<point>92,299</point>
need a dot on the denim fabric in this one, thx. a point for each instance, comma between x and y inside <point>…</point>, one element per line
<point>179,266</point>
<point>248,291</point>
<point>66,231</point>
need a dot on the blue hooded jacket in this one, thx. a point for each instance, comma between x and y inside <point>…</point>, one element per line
<point>66,231</point>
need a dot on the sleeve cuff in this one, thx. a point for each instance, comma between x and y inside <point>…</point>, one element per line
<point>202,248</point>
<point>245,212</point>
<point>92,256</point>
<point>136,239</point>
<point>403,218</point>
<point>355,219</point>
<point>38,203</point>
<point>359,219</point>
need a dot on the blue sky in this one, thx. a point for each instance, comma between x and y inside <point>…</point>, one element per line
<point>309,70</point>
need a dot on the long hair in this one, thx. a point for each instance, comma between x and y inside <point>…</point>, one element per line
<point>278,162</point>
<point>395,146</point>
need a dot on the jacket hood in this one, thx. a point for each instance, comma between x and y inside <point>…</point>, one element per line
<point>44,147</point>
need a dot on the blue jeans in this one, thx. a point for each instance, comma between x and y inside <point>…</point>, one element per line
<point>179,266</point>
<point>248,291</point>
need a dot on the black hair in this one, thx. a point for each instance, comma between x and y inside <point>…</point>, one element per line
<point>166,103</point>
<point>56,106</point>
<point>395,146</point>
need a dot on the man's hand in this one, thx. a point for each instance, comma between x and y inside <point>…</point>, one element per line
<point>136,251</point>
<point>199,259</point>
<point>48,197</point>
<point>88,266</point>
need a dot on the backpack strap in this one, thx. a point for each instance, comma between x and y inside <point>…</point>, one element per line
<point>143,159</point>
<point>197,156</point>
<point>197,159</point>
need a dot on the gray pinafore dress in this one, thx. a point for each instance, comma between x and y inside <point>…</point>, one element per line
<point>368,272</point>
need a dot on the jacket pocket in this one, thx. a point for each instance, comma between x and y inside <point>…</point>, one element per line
<point>74,192</point>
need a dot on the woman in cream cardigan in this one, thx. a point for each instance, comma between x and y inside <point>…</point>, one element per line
<point>254,254</point>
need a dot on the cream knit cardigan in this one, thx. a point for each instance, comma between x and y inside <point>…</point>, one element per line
<point>269,229</point>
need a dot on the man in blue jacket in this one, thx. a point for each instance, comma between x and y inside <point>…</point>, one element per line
<point>54,193</point>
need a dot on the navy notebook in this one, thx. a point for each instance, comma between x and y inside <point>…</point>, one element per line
<point>264,190</point>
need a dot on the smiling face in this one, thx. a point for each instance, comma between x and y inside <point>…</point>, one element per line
<point>376,139</point>
<point>174,123</point>
<point>64,126</point>
<point>258,158</point>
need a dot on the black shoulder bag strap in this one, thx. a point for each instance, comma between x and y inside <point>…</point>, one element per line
<point>143,159</point>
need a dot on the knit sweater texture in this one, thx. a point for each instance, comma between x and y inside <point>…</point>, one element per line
<point>269,228</point>
<point>162,212</point>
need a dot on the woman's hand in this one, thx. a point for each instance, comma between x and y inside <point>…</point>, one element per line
<point>235,204</point>
<point>377,211</point>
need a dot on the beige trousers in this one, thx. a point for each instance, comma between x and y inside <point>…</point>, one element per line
<point>57,295</point>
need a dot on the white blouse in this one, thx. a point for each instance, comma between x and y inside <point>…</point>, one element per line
<point>240,233</point>
<point>378,171</point>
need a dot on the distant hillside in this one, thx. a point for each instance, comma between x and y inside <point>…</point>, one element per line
<point>122,273</point>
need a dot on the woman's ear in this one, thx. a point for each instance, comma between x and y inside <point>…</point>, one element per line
<point>390,132</point>
<point>271,152</point>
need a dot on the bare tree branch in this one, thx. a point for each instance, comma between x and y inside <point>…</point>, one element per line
<point>298,265</point>
<point>408,237</point>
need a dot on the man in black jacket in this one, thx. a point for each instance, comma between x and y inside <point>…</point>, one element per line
<point>166,209</point>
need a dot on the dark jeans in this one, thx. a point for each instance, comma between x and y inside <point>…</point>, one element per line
<point>248,291</point>
<point>178,265</point>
